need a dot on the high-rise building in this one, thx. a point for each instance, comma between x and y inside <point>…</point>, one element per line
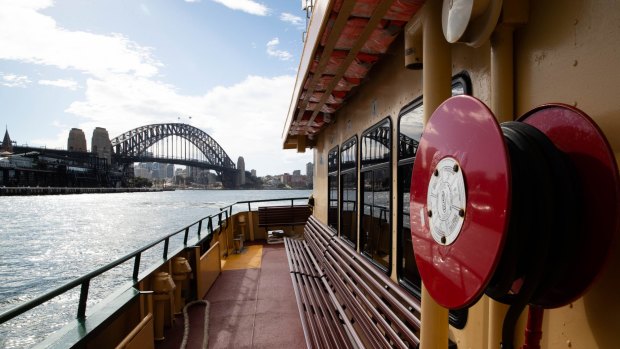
<point>77,140</point>
<point>241,168</point>
<point>253,172</point>
<point>309,172</point>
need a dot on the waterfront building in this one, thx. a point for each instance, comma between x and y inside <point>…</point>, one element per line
<point>7,145</point>
<point>287,179</point>
<point>76,141</point>
<point>142,172</point>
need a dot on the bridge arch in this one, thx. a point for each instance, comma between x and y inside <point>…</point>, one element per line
<point>134,143</point>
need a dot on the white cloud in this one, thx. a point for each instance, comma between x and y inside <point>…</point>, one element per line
<point>12,80</point>
<point>248,6</point>
<point>29,36</point>
<point>65,83</point>
<point>245,119</point>
<point>192,0</point>
<point>122,90</point>
<point>292,19</point>
<point>274,52</point>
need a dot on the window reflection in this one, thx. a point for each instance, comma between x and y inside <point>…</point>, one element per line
<point>332,185</point>
<point>348,199</point>
<point>375,223</point>
<point>410,128</point>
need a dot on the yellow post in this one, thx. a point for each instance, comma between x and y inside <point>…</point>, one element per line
<point>502,74</point>
<point>180,272</point>
<point>437,87</point>
<point>163,286</point>
<point>514,13</point>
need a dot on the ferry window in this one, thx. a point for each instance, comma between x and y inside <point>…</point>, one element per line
<point>410,128</point>
<point>348,198</point>
<point>410,131</point>
<point>332,195</point>
<point>376,181</point>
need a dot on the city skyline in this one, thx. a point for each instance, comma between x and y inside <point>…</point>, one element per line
<point>124,64</point>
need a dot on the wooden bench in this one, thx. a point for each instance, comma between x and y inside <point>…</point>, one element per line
<point>344,300</point>
<point>281,216</point>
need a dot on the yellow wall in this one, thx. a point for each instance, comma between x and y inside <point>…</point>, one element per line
<point>568,52</point>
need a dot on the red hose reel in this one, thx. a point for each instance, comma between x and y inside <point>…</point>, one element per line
<point>471,221</point>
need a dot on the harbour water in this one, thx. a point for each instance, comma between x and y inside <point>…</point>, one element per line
<point>46,241</point>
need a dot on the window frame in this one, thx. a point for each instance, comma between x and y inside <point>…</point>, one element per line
<point>333,172</point>
<point>343,172</point>
<point>370,168</point>
<point>405,283</point>
<point>457,318</point>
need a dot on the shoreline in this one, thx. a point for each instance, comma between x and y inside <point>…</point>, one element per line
<point>27,191</point>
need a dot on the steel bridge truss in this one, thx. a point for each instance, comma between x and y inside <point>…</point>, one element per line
<point>133,146</point>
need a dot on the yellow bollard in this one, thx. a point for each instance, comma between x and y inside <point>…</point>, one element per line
<point>180,272</point>
<point>162,287</point>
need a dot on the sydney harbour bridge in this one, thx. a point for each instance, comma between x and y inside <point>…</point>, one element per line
<point>174,143</point>
<point>109,163</point>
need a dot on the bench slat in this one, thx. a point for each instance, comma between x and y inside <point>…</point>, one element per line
<point>271,216</point>
<point>363,280</point>
<point>346,300</point>
<point>324,329</point>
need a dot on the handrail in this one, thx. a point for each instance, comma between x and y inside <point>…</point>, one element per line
<point>84,280</point>
<point>250,202</point>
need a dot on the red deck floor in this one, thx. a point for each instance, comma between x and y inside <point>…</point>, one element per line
<point>250,308</point>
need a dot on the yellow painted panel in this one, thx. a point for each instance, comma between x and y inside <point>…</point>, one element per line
<point>141,337</point>
<point>249,258</point>
<point>208,269</point>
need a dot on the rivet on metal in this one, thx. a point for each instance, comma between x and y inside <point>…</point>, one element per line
<point>430,213</point>
<point>436,173</point>
<point>455,168</point>
<point>462,212</point>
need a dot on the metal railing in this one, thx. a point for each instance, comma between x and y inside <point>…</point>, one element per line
<point>221,220</point>
<point>84,281</point>
<point>250,202</point>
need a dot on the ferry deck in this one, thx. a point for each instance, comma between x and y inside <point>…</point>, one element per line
<point>252,305</point>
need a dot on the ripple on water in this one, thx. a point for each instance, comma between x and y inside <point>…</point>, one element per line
<point>46,241</point>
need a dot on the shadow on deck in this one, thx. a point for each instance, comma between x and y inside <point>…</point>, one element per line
<point>251,307</point>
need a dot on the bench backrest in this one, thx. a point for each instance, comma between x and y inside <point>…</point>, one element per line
<point>283,215</point>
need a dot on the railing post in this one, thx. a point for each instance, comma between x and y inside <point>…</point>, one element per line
<point>199,227</point>
<point>166,243</point>
<point>136,267</point>
<point>81,314</point>
<point>210,225</point>
<point>185,237</point>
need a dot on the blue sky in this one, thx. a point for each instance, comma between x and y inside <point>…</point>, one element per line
<point>120,64</point>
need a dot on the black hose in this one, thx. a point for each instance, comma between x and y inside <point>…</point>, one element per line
<point>542,223</point>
